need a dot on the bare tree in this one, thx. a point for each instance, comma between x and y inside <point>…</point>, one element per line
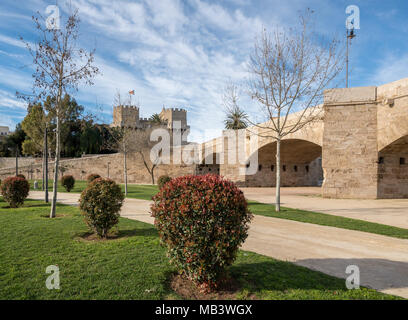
<point>128,140</point>
<point>60,66</point>
<point>289,69</point>
<point>142,145</point>
<point>122,137</point>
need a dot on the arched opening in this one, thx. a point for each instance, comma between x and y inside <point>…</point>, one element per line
<point>301,165</point>
<point>393,170</point>
<point>210,164</point>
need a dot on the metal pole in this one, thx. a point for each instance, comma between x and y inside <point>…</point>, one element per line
<point>16,161</point>
<point>347,57</point>
<point>46,164</point>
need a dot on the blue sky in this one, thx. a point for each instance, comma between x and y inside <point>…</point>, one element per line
<point>177,53</point>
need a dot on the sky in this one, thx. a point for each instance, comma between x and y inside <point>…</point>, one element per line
<point>182,54</point>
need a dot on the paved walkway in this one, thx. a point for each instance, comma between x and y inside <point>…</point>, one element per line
<point>393,212</point>
<point>383,261</point>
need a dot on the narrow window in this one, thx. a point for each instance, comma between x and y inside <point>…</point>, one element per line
<point>307,168</point>
<point>402,160</point>
<point>247,165</point>
<point>272,167</point>
<point>295,168</point>
<point>284,168</point>
<point>381,160</point>
<point>260,167</point>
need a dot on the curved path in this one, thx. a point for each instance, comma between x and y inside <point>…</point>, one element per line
<point>383,261</point>
<point>392,212</point>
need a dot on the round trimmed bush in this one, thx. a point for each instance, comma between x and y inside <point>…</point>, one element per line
<point>162,181</point>
<point>68,182</point>
<point>100,204</point>
<point>15,190</point>
<point>92,177</point>
<point>202,220</point>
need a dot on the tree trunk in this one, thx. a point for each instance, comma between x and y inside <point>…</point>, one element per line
<point>56,164</point>
<point>125,172</point>
<point>152,174</point>
<point>278,175</point>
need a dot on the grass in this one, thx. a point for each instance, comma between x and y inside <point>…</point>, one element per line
<point>146,192</point>
<point>133,266</point>
<point>136,191</point>
<point>327,220</point>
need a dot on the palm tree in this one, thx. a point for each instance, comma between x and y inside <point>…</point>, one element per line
<point>236,118</point>
<point>156,120</point>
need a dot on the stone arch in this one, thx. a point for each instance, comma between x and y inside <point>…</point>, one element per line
<point>300,164</point>
<point>393,169</point>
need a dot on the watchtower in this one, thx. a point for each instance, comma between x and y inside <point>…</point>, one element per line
<point>125,116</point>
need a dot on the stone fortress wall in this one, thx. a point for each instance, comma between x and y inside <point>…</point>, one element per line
<point>357,149</point>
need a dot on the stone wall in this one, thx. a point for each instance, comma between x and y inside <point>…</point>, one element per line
<point>104,165</point>
<point>393,170</point>
<point>350,143</point>
<point>10,162</point>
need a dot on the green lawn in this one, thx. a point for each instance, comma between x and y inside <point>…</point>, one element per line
<point>327,220</point>
<point>133,266</point>
<point>146,192</point>
<point>137,191</point>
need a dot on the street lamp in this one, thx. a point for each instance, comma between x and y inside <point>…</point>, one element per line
<point>350,35</point>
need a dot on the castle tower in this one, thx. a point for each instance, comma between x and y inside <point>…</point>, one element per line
<point>125,116</point>
<point>176,120</point>
<point>175,114</point>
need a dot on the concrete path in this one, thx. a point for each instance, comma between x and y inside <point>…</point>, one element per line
<point>393,212</point>
<point>383,261</point>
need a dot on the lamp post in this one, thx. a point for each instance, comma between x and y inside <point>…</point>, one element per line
<point>16,160</point>
<point>350,35</point>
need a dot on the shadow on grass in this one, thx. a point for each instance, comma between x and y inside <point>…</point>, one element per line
<point>116,235</point>
<point>36,205</point>
<point>281,276</point>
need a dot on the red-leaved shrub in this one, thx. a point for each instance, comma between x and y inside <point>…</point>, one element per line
<point>92,177</point>
<point>15,190</point>
<point>162,181</point>
<point>100,204</point>
<point>202,220</point>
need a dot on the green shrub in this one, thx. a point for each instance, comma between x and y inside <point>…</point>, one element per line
<point>100,204</point>
<point>21,176</point>
<point>68,182</point>
<point>202,220</point>
<point>15,190</point>
<point>92,177</point>
<point>162,181</point>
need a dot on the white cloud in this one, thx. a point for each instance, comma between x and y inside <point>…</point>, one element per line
<point>391,68</point>
<point>10,101</point>
<point>168,14</point>
<point>12,41</point>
